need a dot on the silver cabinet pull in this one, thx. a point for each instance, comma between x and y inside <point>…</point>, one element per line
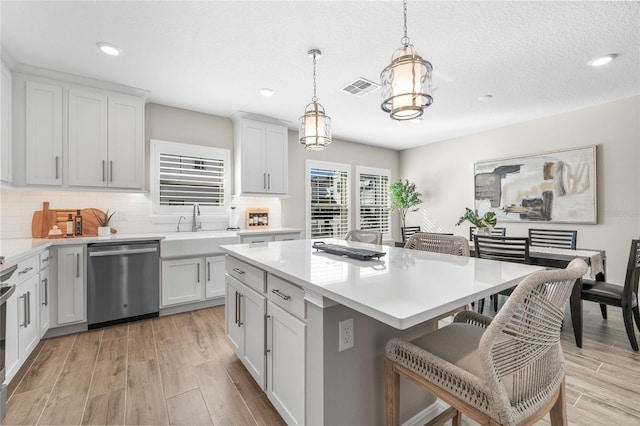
<point>45,282</point>
<point>77,265</point>
<point>264,180</point>
<point>281,295</point>
<point>208,271</point>
<point>103,170</point>
<point>24,310</point>
<point>257,242</point>
<point>266,326</point>
<point>268,180</point>
<point>57,161</point>
<point>238,271</point>
<point>236,320</point>
<point>110,171</point>
<point>240,296</point>
<point>28,307</point>
<point>48,258</point>
<point>25,270</point>
<point>198,272</point>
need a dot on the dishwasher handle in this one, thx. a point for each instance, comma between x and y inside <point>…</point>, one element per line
<point>122,252</point>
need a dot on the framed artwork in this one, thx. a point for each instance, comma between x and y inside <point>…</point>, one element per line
<point>554,187</point>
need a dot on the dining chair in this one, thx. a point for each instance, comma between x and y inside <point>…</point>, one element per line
<point>496,232</point>
<point>507,370</point>
<point>553,238</point>
<point>408,231</point>
<point>438,243</point>
<point>364,236</point>
<point>625,297</point>
<point>506,249</point>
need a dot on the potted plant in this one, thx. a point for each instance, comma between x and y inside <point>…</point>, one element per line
<point>483,223</point>
<point>104,230</point>
<point>404,197</point>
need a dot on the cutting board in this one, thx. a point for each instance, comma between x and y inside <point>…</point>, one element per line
<point>44,220</point>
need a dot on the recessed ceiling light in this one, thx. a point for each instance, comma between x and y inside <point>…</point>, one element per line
<point>266,92</point>
<point>485,98</point>
<point>602,60</point>
<point>109,48</point>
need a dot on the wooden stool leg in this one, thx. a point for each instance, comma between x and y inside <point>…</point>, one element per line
<point>457,419</point>
<point>391,393</point>
<point>558,412</point>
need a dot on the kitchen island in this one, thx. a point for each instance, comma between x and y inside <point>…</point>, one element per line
<point>311,327</point>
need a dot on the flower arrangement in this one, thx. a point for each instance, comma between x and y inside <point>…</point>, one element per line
<point>488,220</point>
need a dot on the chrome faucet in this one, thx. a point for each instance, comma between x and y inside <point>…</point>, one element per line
<point>178,227</point>
<point>194,226</point>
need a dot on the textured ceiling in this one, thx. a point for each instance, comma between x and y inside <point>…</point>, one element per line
<point>214,56</point>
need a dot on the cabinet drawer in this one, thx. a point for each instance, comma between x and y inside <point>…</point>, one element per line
<point>286,295</point>
<point>245,273</point>
<point>287,237</point>
<point>257,239</point>
<point>45,259</point>
<point>26,268</point>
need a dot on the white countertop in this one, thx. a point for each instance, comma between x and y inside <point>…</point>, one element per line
<point>244,232</point>
<point>403,289</point>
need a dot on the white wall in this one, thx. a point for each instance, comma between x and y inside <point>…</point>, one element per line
<point>444,172</point>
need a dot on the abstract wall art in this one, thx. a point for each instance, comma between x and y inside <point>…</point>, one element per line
<point>551,187</point>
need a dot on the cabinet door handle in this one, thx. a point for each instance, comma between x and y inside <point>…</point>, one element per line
<point>279,294</point>
<point>103,169</point>
<point>268,180</point>
<point>77,265</point>
<point>110,171</point>
<point>236,310</point>
<point>264,180</point>
<point>48,258</point>
<point>28,307</point>
<point>266,327</point>
<point>25,270</point>
<point>238,271</point>
<point>240,296</point>
<point>45,282</point>
<point>57,161</point>
<point>24,310</point>
<point>198,272</point>
<point>208,271</point>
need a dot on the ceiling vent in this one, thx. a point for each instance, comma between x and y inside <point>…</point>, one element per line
<point>361,87</point>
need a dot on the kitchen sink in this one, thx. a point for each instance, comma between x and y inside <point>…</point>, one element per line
<point>189,244</point>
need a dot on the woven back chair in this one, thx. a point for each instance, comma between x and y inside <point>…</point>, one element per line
<point>496,232</point>
<point>553,238</point>
<point>408,231</point>
<point>508,370</point>
<point>438,243</point>
<point>364,236</point>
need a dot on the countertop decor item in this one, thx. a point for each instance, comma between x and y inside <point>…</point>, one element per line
<point>104,230</point>
<point>257,218</point>
<point>404,197</point>
<point>40,226</point>
<point>482,222</point>
<point>315,125</point>
<point>406,82</point>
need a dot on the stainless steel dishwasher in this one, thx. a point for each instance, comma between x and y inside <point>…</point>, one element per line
<point>123,282</point>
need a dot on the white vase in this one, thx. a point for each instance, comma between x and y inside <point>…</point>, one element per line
<point>485,231</point>
<point>104,231</point>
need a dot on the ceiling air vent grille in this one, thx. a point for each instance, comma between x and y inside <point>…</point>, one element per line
<point>361,87</point>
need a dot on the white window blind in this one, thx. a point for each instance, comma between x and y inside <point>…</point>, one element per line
<point>328,201</point>
<point>373,200</point>
<point>183,175</point>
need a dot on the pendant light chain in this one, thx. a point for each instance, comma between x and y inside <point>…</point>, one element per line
<point>405,40</point>
<point>315,98</point>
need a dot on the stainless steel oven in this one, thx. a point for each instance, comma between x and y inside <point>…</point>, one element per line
<point>5,293</point>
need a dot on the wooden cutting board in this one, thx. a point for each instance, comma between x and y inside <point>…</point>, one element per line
<point>44,220</point>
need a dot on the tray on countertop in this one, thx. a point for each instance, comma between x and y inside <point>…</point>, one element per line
<point>344,251</point>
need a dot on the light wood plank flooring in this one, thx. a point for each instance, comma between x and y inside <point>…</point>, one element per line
<point>181,369</point>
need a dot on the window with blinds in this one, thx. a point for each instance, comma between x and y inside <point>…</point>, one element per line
<point>328,200</point>
<point>372,202</point>
<point>183,175</point>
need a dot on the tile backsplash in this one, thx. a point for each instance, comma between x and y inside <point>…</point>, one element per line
<point>134,211</point>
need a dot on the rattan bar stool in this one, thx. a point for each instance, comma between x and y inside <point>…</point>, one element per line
<point>364,236</point>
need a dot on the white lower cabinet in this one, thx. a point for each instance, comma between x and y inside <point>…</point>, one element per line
<point>286,341</point>
<point>43,296</point>
<point>192,279</point>
<point>181,281</point>
<point>28,316</point>
<point>245,316</point>
<point>70,285</point>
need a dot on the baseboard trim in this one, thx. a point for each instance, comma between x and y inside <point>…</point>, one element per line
<point>424,416</point>
<point>178,309</point>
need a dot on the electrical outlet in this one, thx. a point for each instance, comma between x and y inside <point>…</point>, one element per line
<point>345,334</point>
<point>120,215</point>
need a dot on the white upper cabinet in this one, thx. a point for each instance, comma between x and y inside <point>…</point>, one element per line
<point>5,113</point>
<point>43,133</point>
<point>260,157</point>
<point>106,145</point>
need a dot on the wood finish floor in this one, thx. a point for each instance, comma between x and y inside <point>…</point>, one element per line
<point>181,369</point>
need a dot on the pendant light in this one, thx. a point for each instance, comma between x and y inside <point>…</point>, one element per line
<point>315,125</point>
<point>406,82</point>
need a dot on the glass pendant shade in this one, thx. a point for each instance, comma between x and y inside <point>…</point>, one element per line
<point>406,84</point>
<point>315,127</point>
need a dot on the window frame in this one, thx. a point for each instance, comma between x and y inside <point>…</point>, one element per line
<point>360,170</point>
<point>156,147</point>
<point>340,167</point>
